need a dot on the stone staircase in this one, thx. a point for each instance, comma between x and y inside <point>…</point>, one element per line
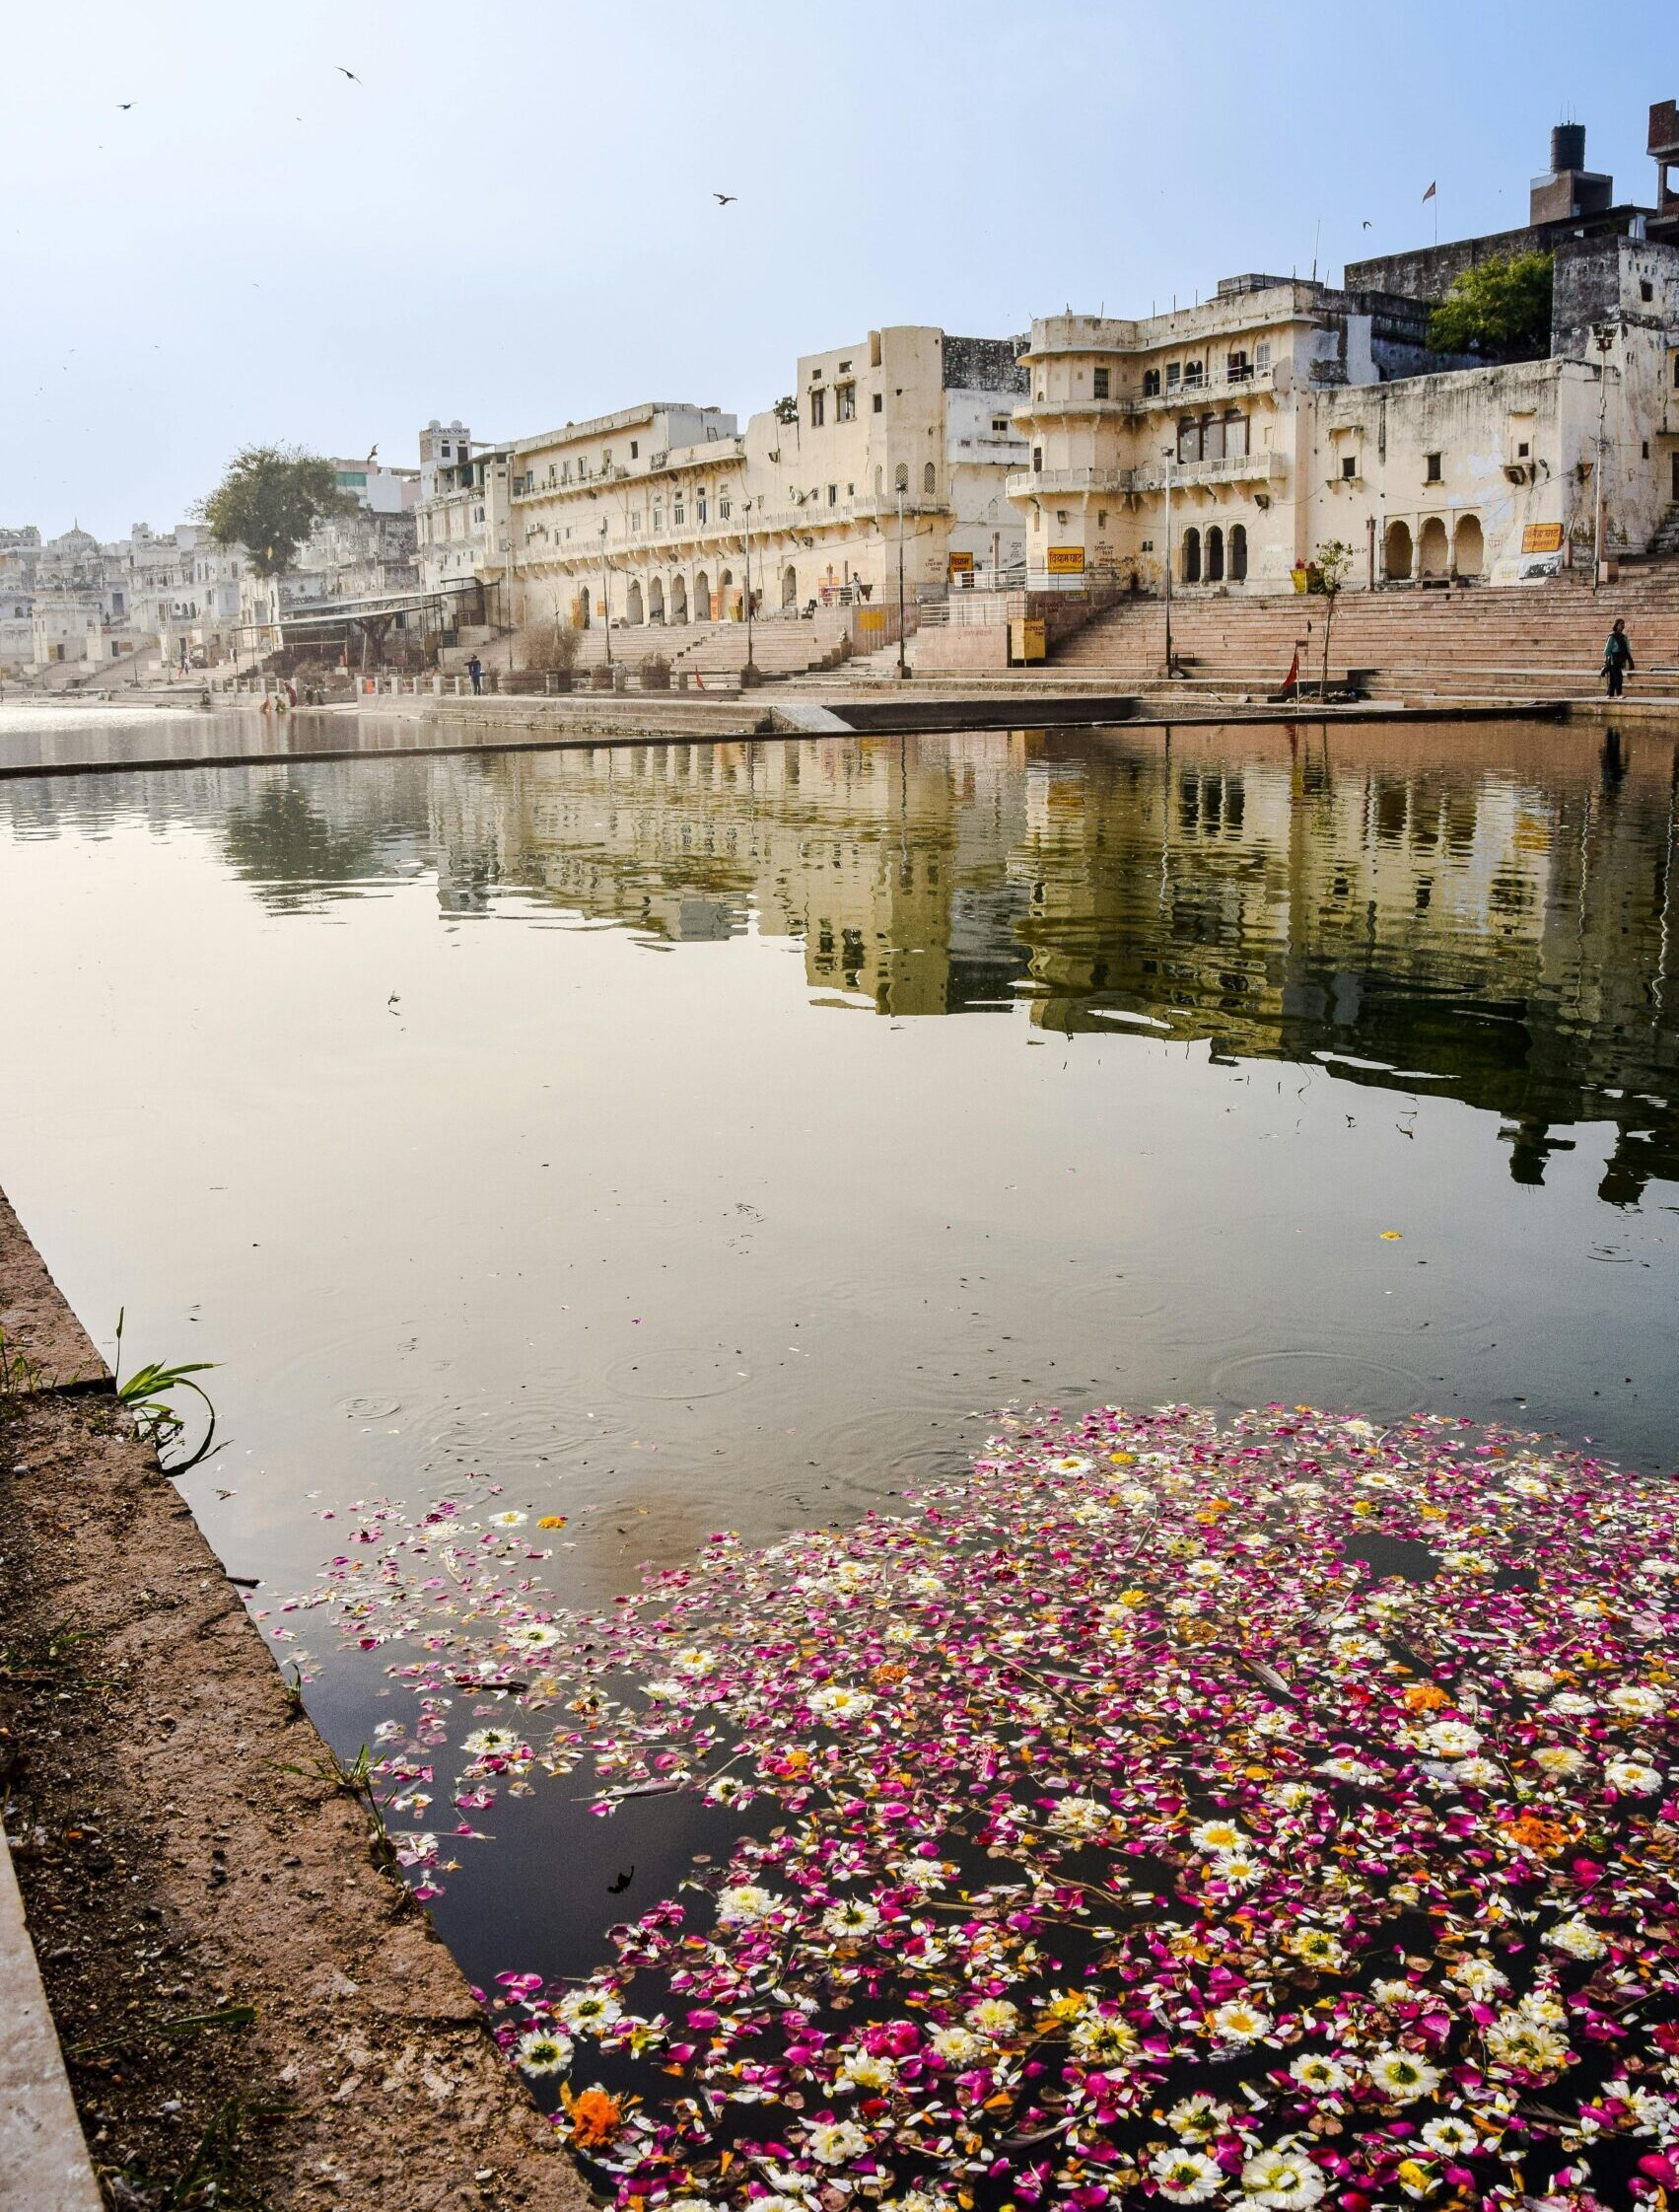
<point>1664,539</point>
<point>1539,641</point>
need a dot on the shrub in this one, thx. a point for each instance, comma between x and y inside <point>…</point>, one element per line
<point>655,673</point>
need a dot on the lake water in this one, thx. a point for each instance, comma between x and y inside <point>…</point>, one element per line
<point>698,1137</point>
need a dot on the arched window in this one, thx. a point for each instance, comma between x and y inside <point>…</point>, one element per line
<point>900,477</point>
<point>1150,384</point>
<point>930,480</point>
<point>1215,555</point>
<point>1192,556</point>
<point>1238,554</point>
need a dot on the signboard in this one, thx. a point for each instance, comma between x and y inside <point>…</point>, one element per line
<point>962,564</point>
<point>872,617</point>
<point>1026,639</point>
<point>1066,561</point>
<point>1542,538</point>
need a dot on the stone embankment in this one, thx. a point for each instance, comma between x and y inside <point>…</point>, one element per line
<point>242,1996</point>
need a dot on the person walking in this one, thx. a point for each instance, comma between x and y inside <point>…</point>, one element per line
<point>475,670</point>
<point>1617,656</point>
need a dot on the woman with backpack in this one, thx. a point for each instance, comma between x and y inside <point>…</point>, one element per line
<point>1617,656</point>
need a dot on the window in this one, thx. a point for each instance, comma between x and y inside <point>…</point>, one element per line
<point>1262,354</point>
<point>1150,384</point>
<point>930,480</point>
<point>845,402</point>
<point>1037,460</point>
<point>700,506</point>
<point>900,477</point>
<point>816,399</point>
<point>1188,441</point>
<point>725,507</point>
<point>606,457</point>
<point>1099,384</point>
<point>1235,435</point>
<point>635,526</point>
<point>877,403</point>
<point>635,449</point>
<point>833,495</point>
<point>1646,290</point>
<point>1523,451</point>
<point>1433,474</point>
<point>1349,467</point>
<point>1193,373</point>
<point>1174,375</point>
<point>678,514</point>
<point>1236,368</point>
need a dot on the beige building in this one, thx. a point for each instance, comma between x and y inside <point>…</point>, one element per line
<point>659,512</point>
<point>1283,414</point>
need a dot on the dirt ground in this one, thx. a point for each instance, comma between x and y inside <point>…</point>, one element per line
<point>253,2011</point>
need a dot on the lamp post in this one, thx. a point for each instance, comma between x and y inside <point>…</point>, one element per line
<point>605,596</point>
<point>903,662</point>
<point>1604,337</point>
<point>749,675</point>
<point>1168,458</point>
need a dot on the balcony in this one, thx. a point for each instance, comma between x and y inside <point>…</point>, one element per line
<point>1132,406</point>
<point>1052,483</point>
<point>1233,468</point>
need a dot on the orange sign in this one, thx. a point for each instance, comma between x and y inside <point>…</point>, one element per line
<point>872,617</point>
<point>1542,538</point>
<point>962,564</point>
<point>1066,561</point>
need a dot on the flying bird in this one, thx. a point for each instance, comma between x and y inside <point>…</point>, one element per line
<point>1367,222</point>
<point>723,199</point>
<point>371,459</point>
<point>125,105</point>
<point>350,73</point>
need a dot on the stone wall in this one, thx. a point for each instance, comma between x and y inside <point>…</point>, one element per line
<point>984,364</point>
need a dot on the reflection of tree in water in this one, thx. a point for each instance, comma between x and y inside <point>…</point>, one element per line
<point>300,843</point>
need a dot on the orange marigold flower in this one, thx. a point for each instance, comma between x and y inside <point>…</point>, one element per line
<point>1535,1833</point>
<point>595,2117</point>
<point>1425,1698</point>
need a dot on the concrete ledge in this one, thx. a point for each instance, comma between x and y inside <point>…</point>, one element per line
<point>37,1322</point>
<point>43,2161</point>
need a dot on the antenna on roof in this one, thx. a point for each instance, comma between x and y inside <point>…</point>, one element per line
<point>1315,236</point>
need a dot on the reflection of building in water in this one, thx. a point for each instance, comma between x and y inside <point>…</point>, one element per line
<point>878,858</point>
<point>1493,925</point>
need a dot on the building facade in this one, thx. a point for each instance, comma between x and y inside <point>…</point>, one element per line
<point>660,512</point>
<point>1285,415</point>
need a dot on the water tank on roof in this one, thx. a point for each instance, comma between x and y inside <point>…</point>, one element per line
<point>1568,148</point>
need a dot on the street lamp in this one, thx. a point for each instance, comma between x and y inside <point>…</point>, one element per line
<point>903,662</point>
<point>605,596</point>
<point>1603,335</point>
<point>1170,458</point>
<point>749,675</point>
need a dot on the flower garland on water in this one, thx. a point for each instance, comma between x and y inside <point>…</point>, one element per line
<point>1269,1815</point>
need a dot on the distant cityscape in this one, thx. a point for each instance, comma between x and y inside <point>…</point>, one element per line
<point>1279,413</point>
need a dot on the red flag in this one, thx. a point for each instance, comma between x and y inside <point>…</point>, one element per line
<point>1429,193</point>
<point>1290,681</point>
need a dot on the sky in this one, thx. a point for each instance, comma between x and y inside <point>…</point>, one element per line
<point>509,218</point>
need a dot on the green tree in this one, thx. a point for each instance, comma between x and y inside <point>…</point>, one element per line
<point>269,500</point>
<point>1501,309</point>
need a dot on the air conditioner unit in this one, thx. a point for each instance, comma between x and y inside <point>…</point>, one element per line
<point>1518,472</point>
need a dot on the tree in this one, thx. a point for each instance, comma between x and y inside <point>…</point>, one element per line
<point>269,500</point>
<point>786,409</point>
<point>1328,572</point>
<point>1501,308</point>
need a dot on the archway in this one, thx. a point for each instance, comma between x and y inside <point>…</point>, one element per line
<point>725,607</point>
<point>678,599</point>
<point>1192,556</point>
<point>1468,546</point>
<point>1238,552</point>
<point>634,611</point>
<point>1396,553</point>
<point>655,598</point>
<point>1431,548</point>
<point>790,588</point>
<point>702,598</point>
<point>1215,555</point>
